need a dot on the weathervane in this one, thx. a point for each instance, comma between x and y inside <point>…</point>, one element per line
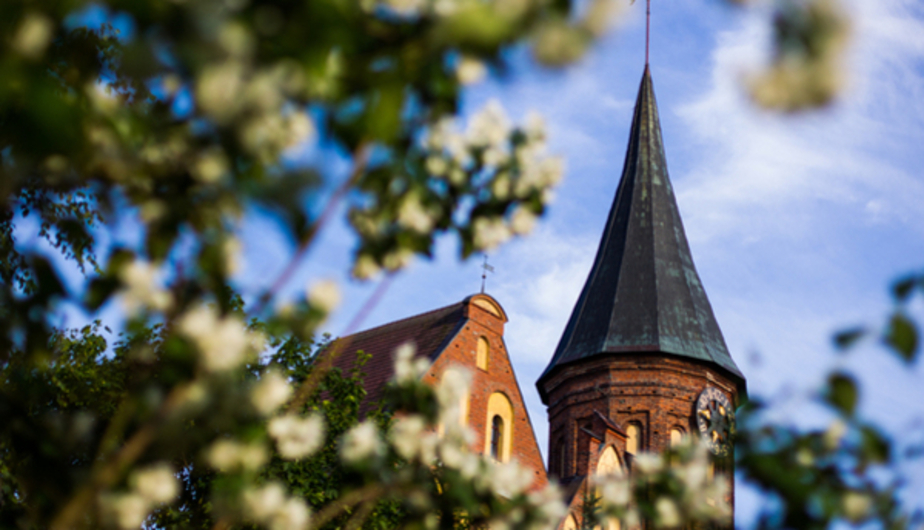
<point>484,272</point>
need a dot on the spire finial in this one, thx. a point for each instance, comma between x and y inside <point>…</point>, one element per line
<point>485,269</point>
<point>647,28</point>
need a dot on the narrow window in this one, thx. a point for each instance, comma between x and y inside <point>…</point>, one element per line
<point>497,437</point>
<point>634,441</point>
<point>481,353</point>
<point>498,427</point>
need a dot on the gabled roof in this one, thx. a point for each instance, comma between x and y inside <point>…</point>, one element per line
<point>643,293</point>
<point>429,332</point>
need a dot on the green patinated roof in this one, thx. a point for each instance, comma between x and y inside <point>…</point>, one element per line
<point>643,293</point>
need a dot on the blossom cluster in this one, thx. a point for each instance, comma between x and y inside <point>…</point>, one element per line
<point>143,288</point>
<point>680,485</point>
<point>514,159</point>
<point>270,506</point>
<point>223,343</point>
<point>151,486</point>
<point>809,74</point>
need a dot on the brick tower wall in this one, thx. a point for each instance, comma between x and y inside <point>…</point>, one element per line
<point>657,392</point>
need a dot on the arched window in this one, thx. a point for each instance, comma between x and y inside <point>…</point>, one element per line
<point>481,353</point>
<point>497,437</point>
<point>609,462</point>
<point>634,440</point>
<point>676,437</point>
<point>498,427</point>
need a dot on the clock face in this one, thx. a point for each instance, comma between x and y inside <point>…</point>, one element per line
<point>715,418</point>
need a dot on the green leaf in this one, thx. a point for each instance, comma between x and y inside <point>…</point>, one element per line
<point>848,337</point>
<point>842,393</point>
<point>903,287</point>
<point>875,447</point>
<point>902,336</point>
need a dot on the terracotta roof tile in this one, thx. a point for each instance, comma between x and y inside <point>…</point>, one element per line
<point>430,332</point>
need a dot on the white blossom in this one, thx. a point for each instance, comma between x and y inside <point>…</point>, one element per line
<point>649,463</point>
<point>361,442</point>
<point>293,515</point>
<point>270,392</point>
<point>601,15</point>
<point>157,484</point>
<point>218,88</point>
<point>495,156</point>
<point>407,368</point>
<point>142,288</point>
<point>534,128</point>
<point>437,165</point>
<point>210,166</point>
<point>299,128</point>
<point>324,295</point>
<point>230,455</point>
<point>835,433</point>
<point>668,514</point>
<point>297,437</point>
<point>263,92</point>
<point>231,250</point>
<point>490,232</point>
<point>616,491</point>
<point>406,434</point>
<point>510,478</point>
<point>557,43</point>
<point>856,506</point>
<point>456,455</point>
<point>365,267</point>
<point>270,505</point>
<point>33,35</point>
<point>222,343</point>
<point>523,220</point>
<point>398,259</point>
<point>126,510</point>
<point>413,215</point>
<point>489,126</point>
<point>549,502</point>
<point>260,504</point>
<point>470,70</point>
<point>102,97</point>
<point>235,38</point>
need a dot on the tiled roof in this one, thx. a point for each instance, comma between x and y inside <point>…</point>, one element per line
<point>430,332</point>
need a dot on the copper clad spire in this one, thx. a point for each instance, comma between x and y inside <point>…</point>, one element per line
<point>643,293</point>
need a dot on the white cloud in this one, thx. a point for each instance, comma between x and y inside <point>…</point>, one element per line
<point>780,165</point>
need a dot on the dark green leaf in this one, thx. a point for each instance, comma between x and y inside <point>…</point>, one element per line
<point>903,287</point>
<point>848,337</point>
<point>842,393</point>
<point>902,336</point>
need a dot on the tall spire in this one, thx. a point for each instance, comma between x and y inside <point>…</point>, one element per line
<point>643,294</point>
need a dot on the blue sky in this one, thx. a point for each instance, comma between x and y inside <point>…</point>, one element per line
<point>797,224</point>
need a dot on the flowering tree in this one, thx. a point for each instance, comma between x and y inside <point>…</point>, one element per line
<point>177,118</point>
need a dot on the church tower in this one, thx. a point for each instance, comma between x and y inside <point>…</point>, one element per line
<point>642,362</point>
